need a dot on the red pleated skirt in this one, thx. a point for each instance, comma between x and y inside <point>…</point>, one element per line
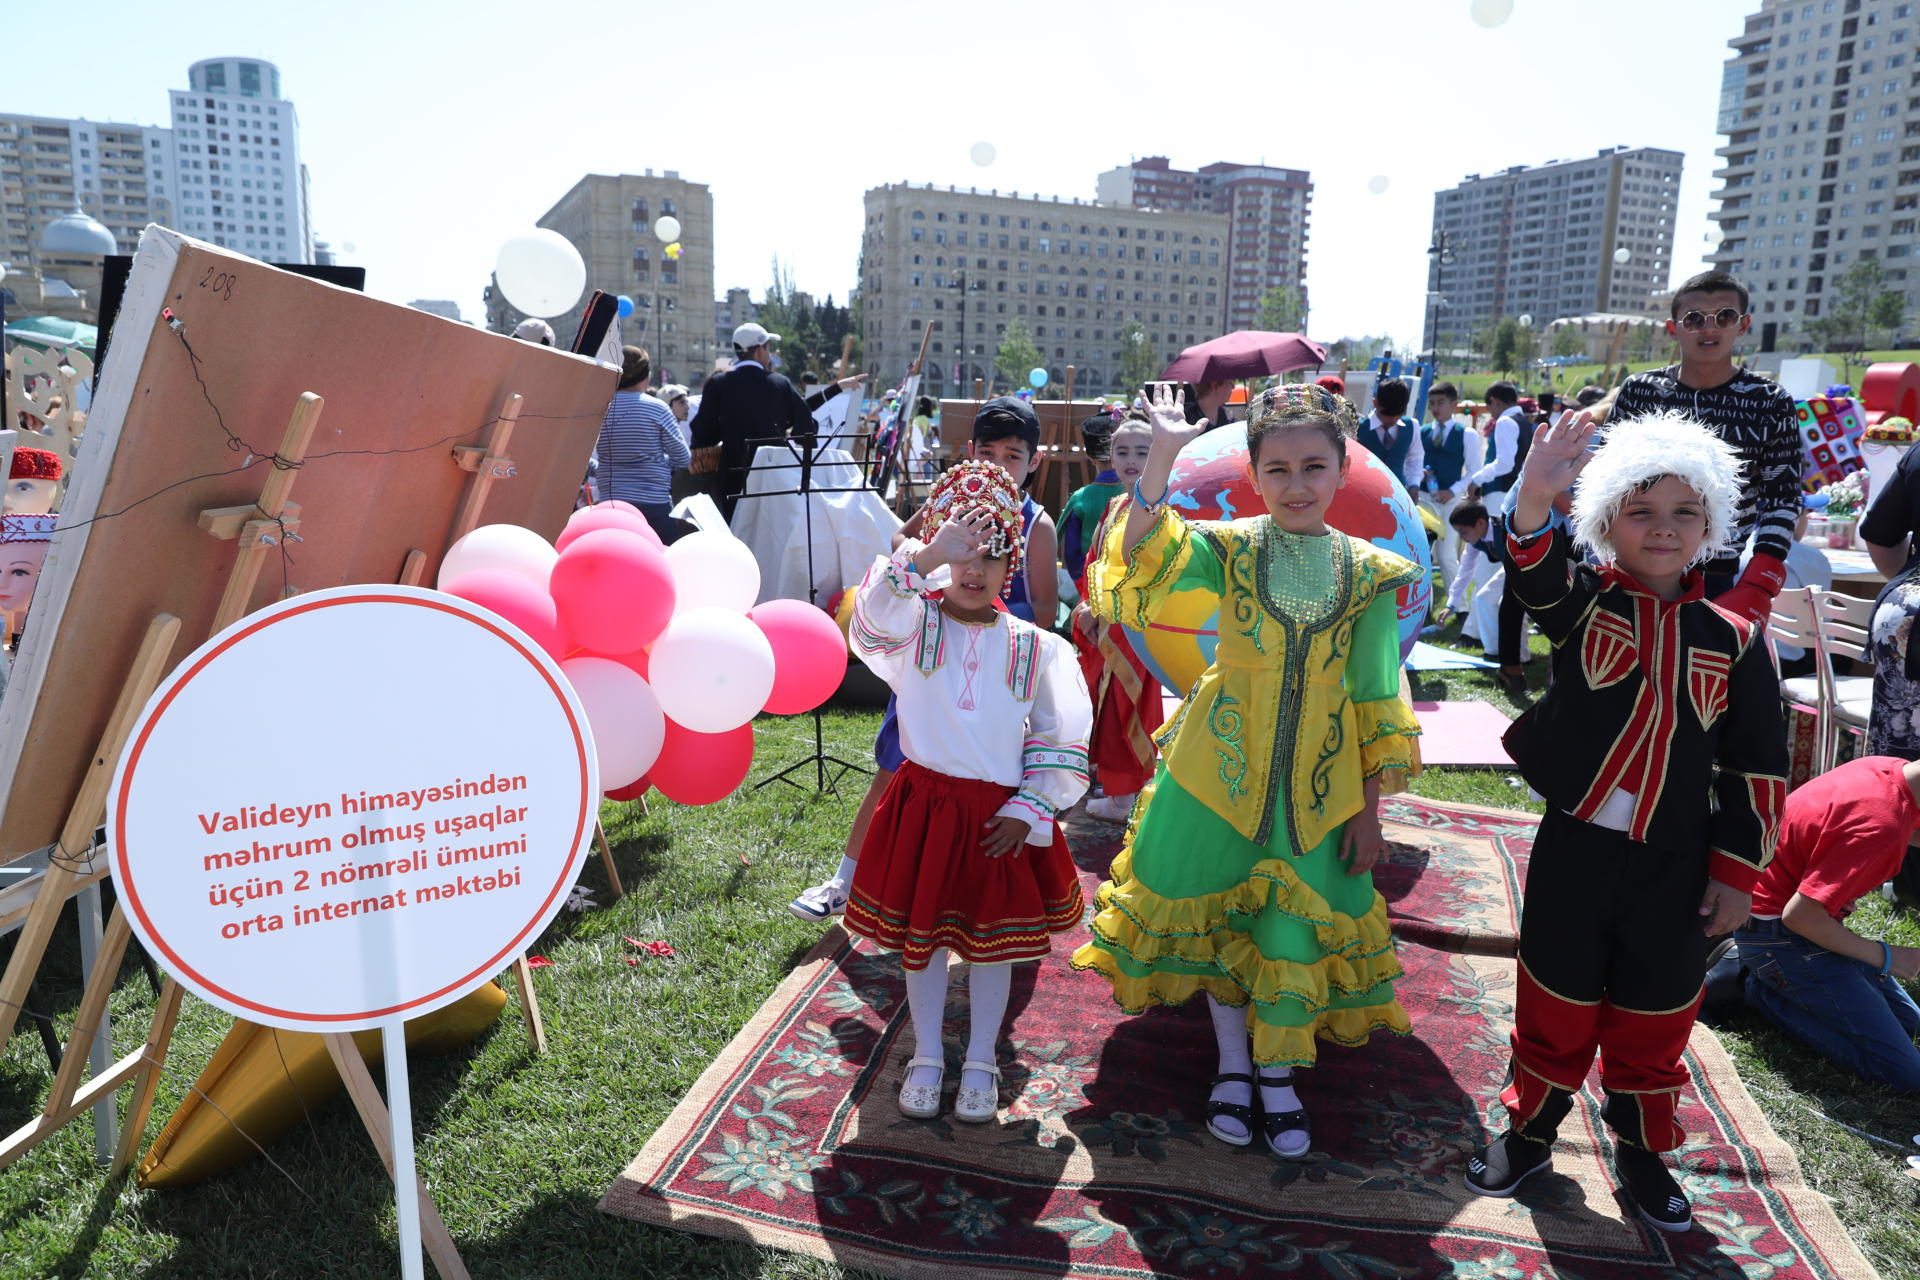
<point>923,882</point>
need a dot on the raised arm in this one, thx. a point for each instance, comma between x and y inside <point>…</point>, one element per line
<point>1167,408</point>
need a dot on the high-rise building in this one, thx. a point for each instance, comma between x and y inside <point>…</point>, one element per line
<point>1267,209</point>
<point>1566,238</point>
<point>610,219</point>
<point>227,171</point>
<point>729,313</point>
<point>1820,104</point>
<point>442,307</point>
<point>968,263</point>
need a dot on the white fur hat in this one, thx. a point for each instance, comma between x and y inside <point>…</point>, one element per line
<point>1635,453</point>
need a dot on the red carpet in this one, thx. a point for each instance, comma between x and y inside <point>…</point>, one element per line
<point>1100,1167</point>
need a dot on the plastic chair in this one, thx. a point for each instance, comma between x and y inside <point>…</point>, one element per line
<point>1844,630</point>
<point>1791,623</point>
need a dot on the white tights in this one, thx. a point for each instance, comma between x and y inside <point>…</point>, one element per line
<point>988,986</point>
<point>1236,1055</point>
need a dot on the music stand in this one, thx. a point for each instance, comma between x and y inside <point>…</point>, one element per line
<point>803,450</point>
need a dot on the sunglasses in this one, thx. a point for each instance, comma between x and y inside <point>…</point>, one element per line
<point>1724,318</point>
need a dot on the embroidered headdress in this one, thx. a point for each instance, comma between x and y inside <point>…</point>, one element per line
<point>978,484</point>
<point>1636,453</point>
<point>27,528</point>
<point>1289,400</point>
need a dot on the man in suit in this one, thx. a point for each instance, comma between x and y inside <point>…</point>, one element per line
<point>744,406</point>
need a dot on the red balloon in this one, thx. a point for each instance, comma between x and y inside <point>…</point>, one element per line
<point>699,768</point>
<point>612,591</point>
<point>517,599</point>
<point>809,654</point>
<point>606,515</point>
<point>633,790</point>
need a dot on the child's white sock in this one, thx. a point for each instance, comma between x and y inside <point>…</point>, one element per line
<point>845,874</point>
<point>927,1005</point>
<point>1236,1056</point>
<point>988,986</point>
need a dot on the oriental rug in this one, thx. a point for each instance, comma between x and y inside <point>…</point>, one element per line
<point>1099,1164</point>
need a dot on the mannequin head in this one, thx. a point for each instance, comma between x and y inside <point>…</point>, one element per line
<point>34,482</point>
<point>24,540</point>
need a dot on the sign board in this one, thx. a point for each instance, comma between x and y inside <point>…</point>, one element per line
<point>352,808</point>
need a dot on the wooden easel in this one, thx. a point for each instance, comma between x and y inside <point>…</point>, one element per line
<point>1064,465</point>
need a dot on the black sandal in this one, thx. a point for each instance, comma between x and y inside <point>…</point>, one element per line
<point>1276,1123</point>
<point>1241,1111</point>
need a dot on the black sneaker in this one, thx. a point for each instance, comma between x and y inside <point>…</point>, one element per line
<point>1502,1165</point>
<point>1650,1185</point>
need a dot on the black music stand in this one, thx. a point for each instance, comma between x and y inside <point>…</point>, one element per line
<point>803,451</point>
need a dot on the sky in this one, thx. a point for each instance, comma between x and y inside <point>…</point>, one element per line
<point>434,131</point>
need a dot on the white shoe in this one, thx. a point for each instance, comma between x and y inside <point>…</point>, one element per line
<point>1111,808</point>
<point>821,903</point>
<point>977,1106</point>
<point>922,1101</point>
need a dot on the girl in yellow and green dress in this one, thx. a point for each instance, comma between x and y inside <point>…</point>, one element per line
<point>1246,873</point>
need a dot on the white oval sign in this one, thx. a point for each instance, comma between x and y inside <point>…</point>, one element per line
<point>352,807</point>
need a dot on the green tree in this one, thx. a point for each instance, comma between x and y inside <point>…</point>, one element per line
<point>811,333</point>
<point>1885,315</point>
<point>1138,363</point>
<point>1503,343</point>
<point>1858,304</point>
<point>1017,356</point>
<point>1568,341</point>
<point>1281,310</point>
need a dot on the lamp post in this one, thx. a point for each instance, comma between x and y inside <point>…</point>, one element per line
<point>1441,251</point>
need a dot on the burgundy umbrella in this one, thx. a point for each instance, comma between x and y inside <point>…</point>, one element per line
<point>1250,353</point>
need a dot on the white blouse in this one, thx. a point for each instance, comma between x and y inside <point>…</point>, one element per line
<point>1002,701</point>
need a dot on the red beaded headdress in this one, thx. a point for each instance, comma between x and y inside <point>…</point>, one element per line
<point>35,464</point>
<point>976,483</point>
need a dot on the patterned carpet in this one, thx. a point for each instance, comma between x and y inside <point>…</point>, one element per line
<point>1100,1165</point>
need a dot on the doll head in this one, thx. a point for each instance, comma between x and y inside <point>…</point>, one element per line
<point>34,482</point>
<point>24,540</point>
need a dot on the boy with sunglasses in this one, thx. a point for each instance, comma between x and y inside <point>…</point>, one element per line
<point>1755,416</point>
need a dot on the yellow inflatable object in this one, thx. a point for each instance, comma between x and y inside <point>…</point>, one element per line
<point>261,1081</point>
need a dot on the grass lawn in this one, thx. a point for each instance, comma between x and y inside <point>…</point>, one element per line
<point>1574,376</point>
<point>518,1150</point>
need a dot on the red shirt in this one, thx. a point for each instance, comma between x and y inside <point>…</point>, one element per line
<point>1844,835</point>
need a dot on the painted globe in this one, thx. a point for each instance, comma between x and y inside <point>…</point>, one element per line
<point>1210,482</point>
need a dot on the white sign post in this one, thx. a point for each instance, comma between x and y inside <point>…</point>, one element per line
<point>350,809</point>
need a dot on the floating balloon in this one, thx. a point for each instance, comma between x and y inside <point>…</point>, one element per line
<point>712,669</point>
<point>626,306</point>
<point>1377,183</point>
<point>499,546</point>
<point>519,601</point>
<point>1491,13</point>
<point>633,791</point>
<point>541,273</point>
<point>699,768</point>
<point>983,154</point>
<point>713,568</point>
<point>809,654</point>
<point>624,716</point>
<point>612,591</point>
<point>1526,322</point>
<point>667,227</point>
<point>1037,377</point>
<point>1621,257</point>
<point>606,515</point>
<point>673,251</point>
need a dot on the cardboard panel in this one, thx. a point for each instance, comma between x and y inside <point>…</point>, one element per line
<point>402,389</point>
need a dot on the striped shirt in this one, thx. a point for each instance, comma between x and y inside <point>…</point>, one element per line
<point>640,446</point>
<point>1759,419</point>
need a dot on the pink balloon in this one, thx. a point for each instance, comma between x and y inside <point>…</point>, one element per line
<point>606,515</point>
<point>699,768</point>
<point>809,654</point>
<point>625,717</point>
<point>613,591</point>
<point>632,791</point>
<point>516,598</point>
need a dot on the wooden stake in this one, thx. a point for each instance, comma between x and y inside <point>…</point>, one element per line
<point>529,1004</point>
<point>414,569</point>
<point>488,463</point>
<point>271,521</point>
<point>606,855</point>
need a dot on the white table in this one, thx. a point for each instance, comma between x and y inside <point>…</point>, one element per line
<point>851,524</point>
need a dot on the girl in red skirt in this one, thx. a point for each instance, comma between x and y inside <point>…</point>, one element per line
<point>963,854</point>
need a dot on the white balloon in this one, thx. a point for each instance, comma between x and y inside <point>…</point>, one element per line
<point>1491,13</point>
<point>712,669</point>
<point>624,715</point>
<point>500,546</point>
<point>1526,322</point>
<point>983,153</point>
<point>713,569</point>
<point>1377,183</point>
<point>667,227</point>
<point>1621,257</point>
<point>541,273</point>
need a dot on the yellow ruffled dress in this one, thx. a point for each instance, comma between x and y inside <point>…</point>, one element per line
<point>1230,881</point>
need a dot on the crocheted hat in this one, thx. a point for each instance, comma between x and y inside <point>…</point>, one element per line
<point>27,528</point>
<point>35,464</point>
<point>976,484</point>
<point>1636,452</point>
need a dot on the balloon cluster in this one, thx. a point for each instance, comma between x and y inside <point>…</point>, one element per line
<point>664,646</point>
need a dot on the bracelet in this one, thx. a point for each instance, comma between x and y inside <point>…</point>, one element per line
<point>1151,507</point>
<point>1886,959</point>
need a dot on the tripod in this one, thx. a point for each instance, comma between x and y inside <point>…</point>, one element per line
<point>803,453</point>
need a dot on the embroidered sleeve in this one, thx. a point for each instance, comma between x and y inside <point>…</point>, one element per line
<point>891,618</point>
<point>1385,721</point>
<point>1556,592</point>
<point>1131,588</point>
<point>1750,776</point>
<point>1053,760</point>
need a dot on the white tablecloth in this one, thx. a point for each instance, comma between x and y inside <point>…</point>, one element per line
<point>851,525</point>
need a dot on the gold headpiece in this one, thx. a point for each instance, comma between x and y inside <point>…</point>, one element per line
<point>978,484</point>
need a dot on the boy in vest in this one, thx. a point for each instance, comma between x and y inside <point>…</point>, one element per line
<point>1452,449</point>
<point>1393,437</point>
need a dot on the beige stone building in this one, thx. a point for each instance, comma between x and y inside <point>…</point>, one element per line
<point>610,219</point>
<point>967,262</point>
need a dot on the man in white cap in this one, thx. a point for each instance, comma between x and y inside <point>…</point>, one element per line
<point>534,330</point>
<point>745,406</point>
